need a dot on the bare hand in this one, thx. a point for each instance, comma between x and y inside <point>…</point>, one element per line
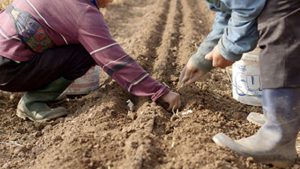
<point>217,59</point>
<point>173,100</point>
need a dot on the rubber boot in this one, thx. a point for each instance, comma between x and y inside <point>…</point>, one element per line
<point>33,104</point>
<point>275,141</point>
<point>256,118</point>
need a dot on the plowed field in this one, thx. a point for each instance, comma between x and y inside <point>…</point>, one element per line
<point>102,132</point>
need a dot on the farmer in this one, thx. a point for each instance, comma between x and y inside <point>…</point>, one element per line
<point>45,45</point>
<point>237,28</point>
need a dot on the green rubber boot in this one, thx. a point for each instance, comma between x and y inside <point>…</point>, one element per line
<point>33,104</point>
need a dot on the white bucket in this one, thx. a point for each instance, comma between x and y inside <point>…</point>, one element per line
<point>85,84</point>
<point>246,84</point>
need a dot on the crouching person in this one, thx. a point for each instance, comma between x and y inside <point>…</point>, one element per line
<point>45,45</point>
<point>235,31</point>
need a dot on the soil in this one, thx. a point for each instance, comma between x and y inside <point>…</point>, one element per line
<point>102,132</point>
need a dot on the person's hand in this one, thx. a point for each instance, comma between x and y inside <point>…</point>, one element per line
<point>217,59</point>
<point>190,74</point>
<point>172,99</point>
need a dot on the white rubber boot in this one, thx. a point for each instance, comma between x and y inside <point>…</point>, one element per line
<point>256,118</point>
<point>275,141</point>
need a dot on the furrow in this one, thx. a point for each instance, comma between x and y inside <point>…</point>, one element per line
<point>165,65</point>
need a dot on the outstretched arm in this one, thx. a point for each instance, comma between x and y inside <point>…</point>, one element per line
<point>212,39</point>
<point>197,65</point>
<point>234,33</point>
<point>94,35</point>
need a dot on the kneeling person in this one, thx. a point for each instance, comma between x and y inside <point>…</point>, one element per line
<point>45,45</point>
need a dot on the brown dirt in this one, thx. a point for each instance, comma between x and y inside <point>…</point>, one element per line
<point>102,133</point>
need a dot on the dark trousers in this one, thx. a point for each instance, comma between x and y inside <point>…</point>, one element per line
<point>69,62</point>
<point>279,26</point>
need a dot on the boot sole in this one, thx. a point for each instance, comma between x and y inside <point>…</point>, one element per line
<point>24,116</point>
<point>21,115</point>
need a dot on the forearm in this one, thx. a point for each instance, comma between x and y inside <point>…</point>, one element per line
<point>128,74</point>
<point>221,21</point>
<point>149,88</point>
<point>241,34</point>
<point>110,56</point>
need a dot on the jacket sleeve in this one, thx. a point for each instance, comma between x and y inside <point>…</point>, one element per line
<point>220,23</point>
<point>241,34</point>
<point>94,35</point>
